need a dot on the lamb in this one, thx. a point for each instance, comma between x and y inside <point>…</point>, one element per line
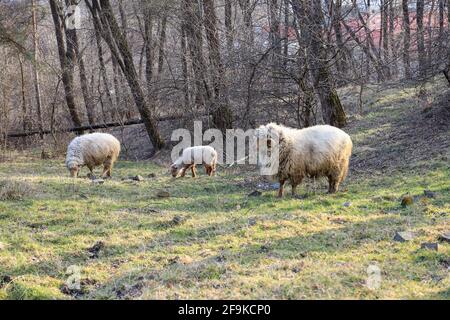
<point>316,151</point>
<point>92,150</point>
<point>192,156</point>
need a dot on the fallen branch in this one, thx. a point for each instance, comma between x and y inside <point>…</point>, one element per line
<point>95,126</point>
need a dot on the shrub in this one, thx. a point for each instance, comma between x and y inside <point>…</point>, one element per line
<point>14,190</point>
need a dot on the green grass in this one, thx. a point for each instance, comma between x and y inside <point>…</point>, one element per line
<point>223,243</point>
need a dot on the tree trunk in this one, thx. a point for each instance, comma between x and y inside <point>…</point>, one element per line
<point>247,11</point>
<point>87,95</point>
<point>37,87</point>
<point>193,27</point>
<point>184,67</point>
<point>118,45</point>
<point>162,44</point>
<point>25,118</point>
<point>228,25</point>
<point>66,60</point>
<point>221,114</point>
<point>341,58</point>
<point>385,36</point>
<point>275,43</point>
<point>420,39</point>
<point>406,39</point>
<point>148,38</point>
<point>102,67</point>
<point>310,17</point>
<point>393,52</point>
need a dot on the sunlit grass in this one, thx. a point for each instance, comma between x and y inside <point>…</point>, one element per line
<point>210,240</point>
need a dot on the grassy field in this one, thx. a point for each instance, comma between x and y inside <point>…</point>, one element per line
<point>211,240</point>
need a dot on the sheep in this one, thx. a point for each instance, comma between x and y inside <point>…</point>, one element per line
<point>315,152</point>
<point>192,156</point>
<point>92,150</point>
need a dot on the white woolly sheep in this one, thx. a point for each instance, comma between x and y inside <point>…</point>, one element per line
<point>319,151</point>
<point>192,156</point>
<point>92,150</point>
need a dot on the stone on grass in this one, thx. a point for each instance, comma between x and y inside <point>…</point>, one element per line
<point>95,249</point>
<point>347,204</point>
<point>430,245</point>
<point>251,221</point>
<point>177,220</point>
<point>91,176</point>
<point>255,193</point>
<point>404,236</point>
<point>98,181</point>
<point>162,194</point>
<point>429,194</point>
<point>445,237</point>
<point>138,178</point>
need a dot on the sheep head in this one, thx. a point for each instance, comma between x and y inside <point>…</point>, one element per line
<point>73,169</point>
<point>174,170</point>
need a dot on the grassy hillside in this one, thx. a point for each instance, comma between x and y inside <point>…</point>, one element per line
<point>210,239</point>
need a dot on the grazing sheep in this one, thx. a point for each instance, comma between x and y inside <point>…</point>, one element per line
<point>319,151</point>
<point>192,156</point>
<point>92,150</point>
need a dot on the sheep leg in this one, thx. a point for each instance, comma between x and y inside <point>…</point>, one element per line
<point>333,184</point>
<point>107,169</point>
<point>193,171</point>
<point>209,170</point>
<point>281,189</point>
<point>213,170</point>
<point>183,171</point>
<point>294,187</point>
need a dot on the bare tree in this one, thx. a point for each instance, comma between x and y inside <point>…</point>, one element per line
<point>66,58</point>
<point>309,14</point>
<point>221,114</point>
<point>103,15</point>
<point>37,85</point>
<point>420,38</point>
<point>406,39</point>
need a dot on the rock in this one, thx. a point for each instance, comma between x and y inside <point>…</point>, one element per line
<point>98,181</point>
<point>275,186</point>
<point>151,175</point>
<point>430,245</point>
<point>162,194</point>
<point>429,194</point>
<point>347,204</point>
<point>138,178</point>
<point>95,249</point>
<point>404,236</point>
<point>268,186</point>
<point>255,193</point>
<point>177,220</point>
<point>91,176</point>
<point>407,201</point>
<point>251,221</point>
<point>443,237</point>
<point>238,207</point>
<point>4,280</point>
<point>296,270</point>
